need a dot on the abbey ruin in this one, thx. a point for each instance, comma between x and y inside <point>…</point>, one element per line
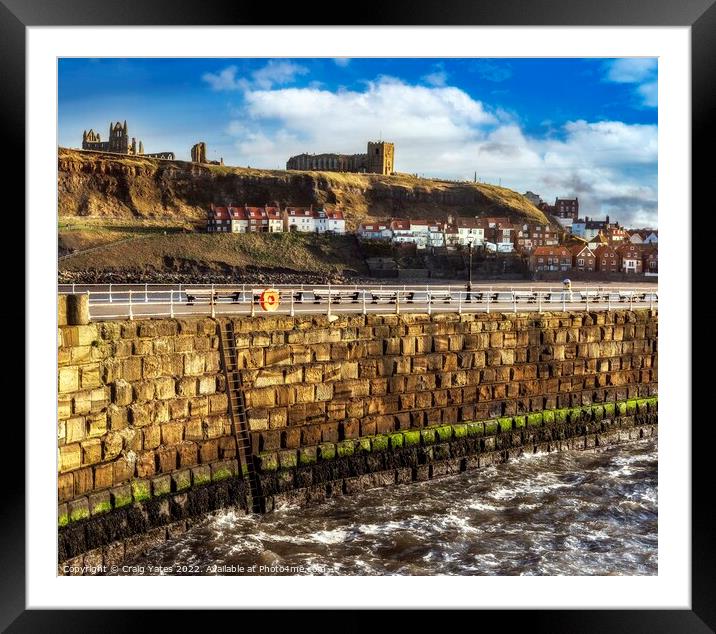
<point>119,143</point>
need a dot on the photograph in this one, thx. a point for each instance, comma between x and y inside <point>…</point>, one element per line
<point>358,316</point>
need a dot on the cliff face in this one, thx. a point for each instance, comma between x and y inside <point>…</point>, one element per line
<point>106,185</point>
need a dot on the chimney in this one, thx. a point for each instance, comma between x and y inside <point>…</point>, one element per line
<point>607,219</point>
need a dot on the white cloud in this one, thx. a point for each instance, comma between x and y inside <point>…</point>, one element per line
<point>224,80</point>
<point>649,94</point>
<point>442,131</point>
<point>276,72</point>
<point>630,70</point>
<point>641,71</point>
<point>342,61</point>
<point>436,78</point>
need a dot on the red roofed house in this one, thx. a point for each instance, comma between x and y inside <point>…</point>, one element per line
<point>630,258</point>
<point>607,259</point>
<point>328,221</point>
<point>402,231</point>
<point>258,219</point>
<point>336,222</point>
<point>550,259</point>
<point>617,235</point>
<point>374,231</point>
<point>275,219</point>
<point>583,259</point>
<point>226,219</point>
<point>299,219</point>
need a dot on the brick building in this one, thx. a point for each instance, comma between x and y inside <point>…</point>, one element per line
<point>630,258</point>
<point>550,259</point>
<point>650,260</point>
<point>607,259</point>
<point>583,259</point>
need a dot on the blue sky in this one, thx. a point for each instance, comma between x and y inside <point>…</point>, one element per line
<point>585,127</point>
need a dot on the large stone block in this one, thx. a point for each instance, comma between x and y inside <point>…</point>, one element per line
<point>194,363</point>
<point>199,406</point>
<point>207,385</point>
<point>140,414</point>
<point>172,433</point>
<point>132,369</point>
<point>97,424</point>
<point>164,388</point>
<point>91,451</point>
<point>70,457</point>
<point>68,379</point>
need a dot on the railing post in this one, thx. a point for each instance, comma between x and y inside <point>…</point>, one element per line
<point>430,303</point>
<point>171,303</point>
<point>651,301</point>
<point>253,307</point>
<point>213,302</point>
<point>329,301</point>
<point>514,301</point>
<point>539,302</point>
<point>365,309</point>
<point>146,293</point>
<point>564,301</point>
<point>73,288</point>
<point>609,301</point>
<point>586,309</point>
<point>293,312</point>
<point>89,306</point>
<point>110,293</point>
<point>397,302</point>
<point>489,297</point>
<point>459,302</point>
<point>631,301</point>
<point>131,316</point>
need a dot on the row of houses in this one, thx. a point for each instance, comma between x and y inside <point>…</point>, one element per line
<point>494,234</point>
<point>590,229</point>
<point>625,258</point>
<point>267,219</point>
<point>566,211</point>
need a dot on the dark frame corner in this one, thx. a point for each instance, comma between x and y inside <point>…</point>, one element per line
<point>15,15</point>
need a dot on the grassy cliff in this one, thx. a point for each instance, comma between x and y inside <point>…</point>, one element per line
<point>94,184</point>
<point>160,257</point>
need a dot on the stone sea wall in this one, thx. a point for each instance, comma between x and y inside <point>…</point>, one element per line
<point>146,445</point>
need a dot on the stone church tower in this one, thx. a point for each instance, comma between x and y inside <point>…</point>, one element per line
<point>381,156</point>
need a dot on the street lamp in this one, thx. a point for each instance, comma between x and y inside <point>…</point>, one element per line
<point>469,268</point>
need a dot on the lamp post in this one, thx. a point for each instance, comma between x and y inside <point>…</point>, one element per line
<point>469,269</point>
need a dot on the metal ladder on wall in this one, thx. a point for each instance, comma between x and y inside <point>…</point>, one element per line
<point>237,411</point>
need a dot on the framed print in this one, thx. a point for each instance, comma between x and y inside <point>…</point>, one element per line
<point>378,303</point>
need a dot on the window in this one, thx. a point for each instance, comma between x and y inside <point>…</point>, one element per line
<point>580,262</point>
<point>604,262</point>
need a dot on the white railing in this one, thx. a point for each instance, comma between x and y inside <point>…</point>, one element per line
<point>122,301</point>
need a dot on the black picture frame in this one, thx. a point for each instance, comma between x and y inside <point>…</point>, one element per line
<point>700,15</point>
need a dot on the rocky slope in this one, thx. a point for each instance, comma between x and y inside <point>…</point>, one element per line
<point>112,186</point>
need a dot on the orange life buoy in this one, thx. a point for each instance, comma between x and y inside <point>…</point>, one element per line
<point>269,300</point>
